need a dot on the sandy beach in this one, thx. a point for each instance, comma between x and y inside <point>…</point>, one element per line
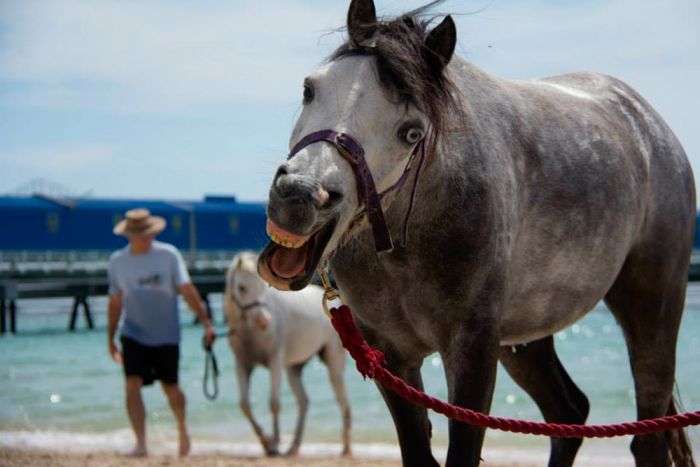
<point>51,458</point>
<point>46,458</point>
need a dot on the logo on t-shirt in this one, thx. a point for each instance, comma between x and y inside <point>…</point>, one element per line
<point>153,280</point>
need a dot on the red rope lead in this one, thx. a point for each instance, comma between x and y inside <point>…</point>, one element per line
<point>369,363</point>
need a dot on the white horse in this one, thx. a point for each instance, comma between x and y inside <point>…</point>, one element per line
<point>280,330</point>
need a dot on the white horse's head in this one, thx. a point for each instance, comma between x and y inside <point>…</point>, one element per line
<point>379,90</point>
<point>244,290</point>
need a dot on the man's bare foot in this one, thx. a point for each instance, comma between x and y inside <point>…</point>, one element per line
<point>185,444</point>
<point>138,451</point>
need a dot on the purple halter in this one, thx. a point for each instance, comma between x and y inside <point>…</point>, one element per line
<point>249,306</point>
<point>352,151</point>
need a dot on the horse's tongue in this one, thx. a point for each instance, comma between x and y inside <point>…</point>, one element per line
<point>288,263</point>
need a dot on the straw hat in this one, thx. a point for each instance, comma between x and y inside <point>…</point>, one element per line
<point>139,223</point>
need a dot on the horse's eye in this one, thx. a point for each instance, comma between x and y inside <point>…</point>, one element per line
<point>308,94</point>
<point>411,135</point>
<point>241,288</point>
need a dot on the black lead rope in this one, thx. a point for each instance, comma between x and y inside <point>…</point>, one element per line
<point>211,369</point>
<point>210,365</point>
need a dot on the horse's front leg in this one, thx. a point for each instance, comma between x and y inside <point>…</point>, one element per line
<point>412,424</point>
<point>275,384</point>
<point>243,377</point>
<point>295,382</point>
<point>470,362</point>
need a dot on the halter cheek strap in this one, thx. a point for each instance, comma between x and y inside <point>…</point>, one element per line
<point>247,307</point>
<point>352,151</point>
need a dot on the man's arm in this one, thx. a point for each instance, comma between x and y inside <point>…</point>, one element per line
<point>191,296</point>
<point>114,312</point>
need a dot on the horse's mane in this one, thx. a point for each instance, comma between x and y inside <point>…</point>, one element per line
<point>398,46</point>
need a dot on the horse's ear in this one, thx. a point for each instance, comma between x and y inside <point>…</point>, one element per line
<point>362,20</point>
<point>440,44</point>
<point>239,263</point>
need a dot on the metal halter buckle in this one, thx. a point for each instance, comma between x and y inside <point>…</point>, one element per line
<point>330,293</point>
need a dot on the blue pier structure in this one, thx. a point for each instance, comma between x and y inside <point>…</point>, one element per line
<point>59,247</point>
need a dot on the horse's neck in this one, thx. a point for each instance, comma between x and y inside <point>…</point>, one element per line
<point>473,83</point>
<point>458,167</point>
<point>443,164</point>
<point>450,173</point>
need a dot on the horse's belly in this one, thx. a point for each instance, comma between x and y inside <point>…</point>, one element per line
<point>544,313</point>
<point>554,294</point>
<point>305,336</point>
<point>303,348</point>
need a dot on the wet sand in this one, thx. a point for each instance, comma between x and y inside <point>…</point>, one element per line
<point>52,458</point>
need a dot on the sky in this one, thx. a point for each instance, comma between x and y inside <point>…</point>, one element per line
<point>178,99</point>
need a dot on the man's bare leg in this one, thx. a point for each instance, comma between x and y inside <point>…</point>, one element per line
<point>177,403</point>
<point>137,414</point>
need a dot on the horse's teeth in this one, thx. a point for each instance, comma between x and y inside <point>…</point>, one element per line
<point>285,242</point>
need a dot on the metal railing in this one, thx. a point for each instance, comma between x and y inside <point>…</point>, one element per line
<point>48,262</point>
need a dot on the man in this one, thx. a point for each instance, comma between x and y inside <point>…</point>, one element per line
<point>144,280</point>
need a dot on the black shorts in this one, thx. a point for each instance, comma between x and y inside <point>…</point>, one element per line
<point>150,363</point>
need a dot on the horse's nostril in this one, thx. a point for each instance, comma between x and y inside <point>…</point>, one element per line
<point>327,198</point>
<point>283,184</point>
<point>281,171</point>
<point>334,197</point>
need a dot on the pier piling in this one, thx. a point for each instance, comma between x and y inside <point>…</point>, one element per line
<point>13,316</point>
<point>77,303</point>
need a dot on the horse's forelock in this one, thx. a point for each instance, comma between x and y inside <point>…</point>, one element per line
<point>246,261</point>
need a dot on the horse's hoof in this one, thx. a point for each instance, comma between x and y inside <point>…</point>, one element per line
<point>292,452</point>
<point>272,452</point>
<point>270,446</point>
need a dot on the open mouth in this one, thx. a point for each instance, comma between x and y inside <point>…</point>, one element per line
<point>288,261</point>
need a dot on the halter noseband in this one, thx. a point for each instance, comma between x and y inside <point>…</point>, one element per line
<point>249,306</point>
<point>352,151</point>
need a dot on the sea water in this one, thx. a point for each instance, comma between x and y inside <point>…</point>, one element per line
<point>60,389</point>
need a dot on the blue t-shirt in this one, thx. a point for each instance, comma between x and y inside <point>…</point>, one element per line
<point>148,284</point>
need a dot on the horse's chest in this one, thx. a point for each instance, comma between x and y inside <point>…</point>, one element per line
<point>395,298</point>
<point>254,347</point>
<point>399,315</point>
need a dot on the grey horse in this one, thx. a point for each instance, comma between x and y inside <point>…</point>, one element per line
<point>534,201</point>
<point>280,330</point>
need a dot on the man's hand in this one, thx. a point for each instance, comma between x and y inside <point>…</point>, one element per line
<point>209,334</point>
<point>191,295</point>
<point>115,353</point>
<point>114,311</point>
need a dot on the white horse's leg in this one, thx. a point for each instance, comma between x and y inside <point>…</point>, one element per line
<point>243,376</point>
<point>275,383</point>
<point>295,382</point>
<point>334,357</point>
